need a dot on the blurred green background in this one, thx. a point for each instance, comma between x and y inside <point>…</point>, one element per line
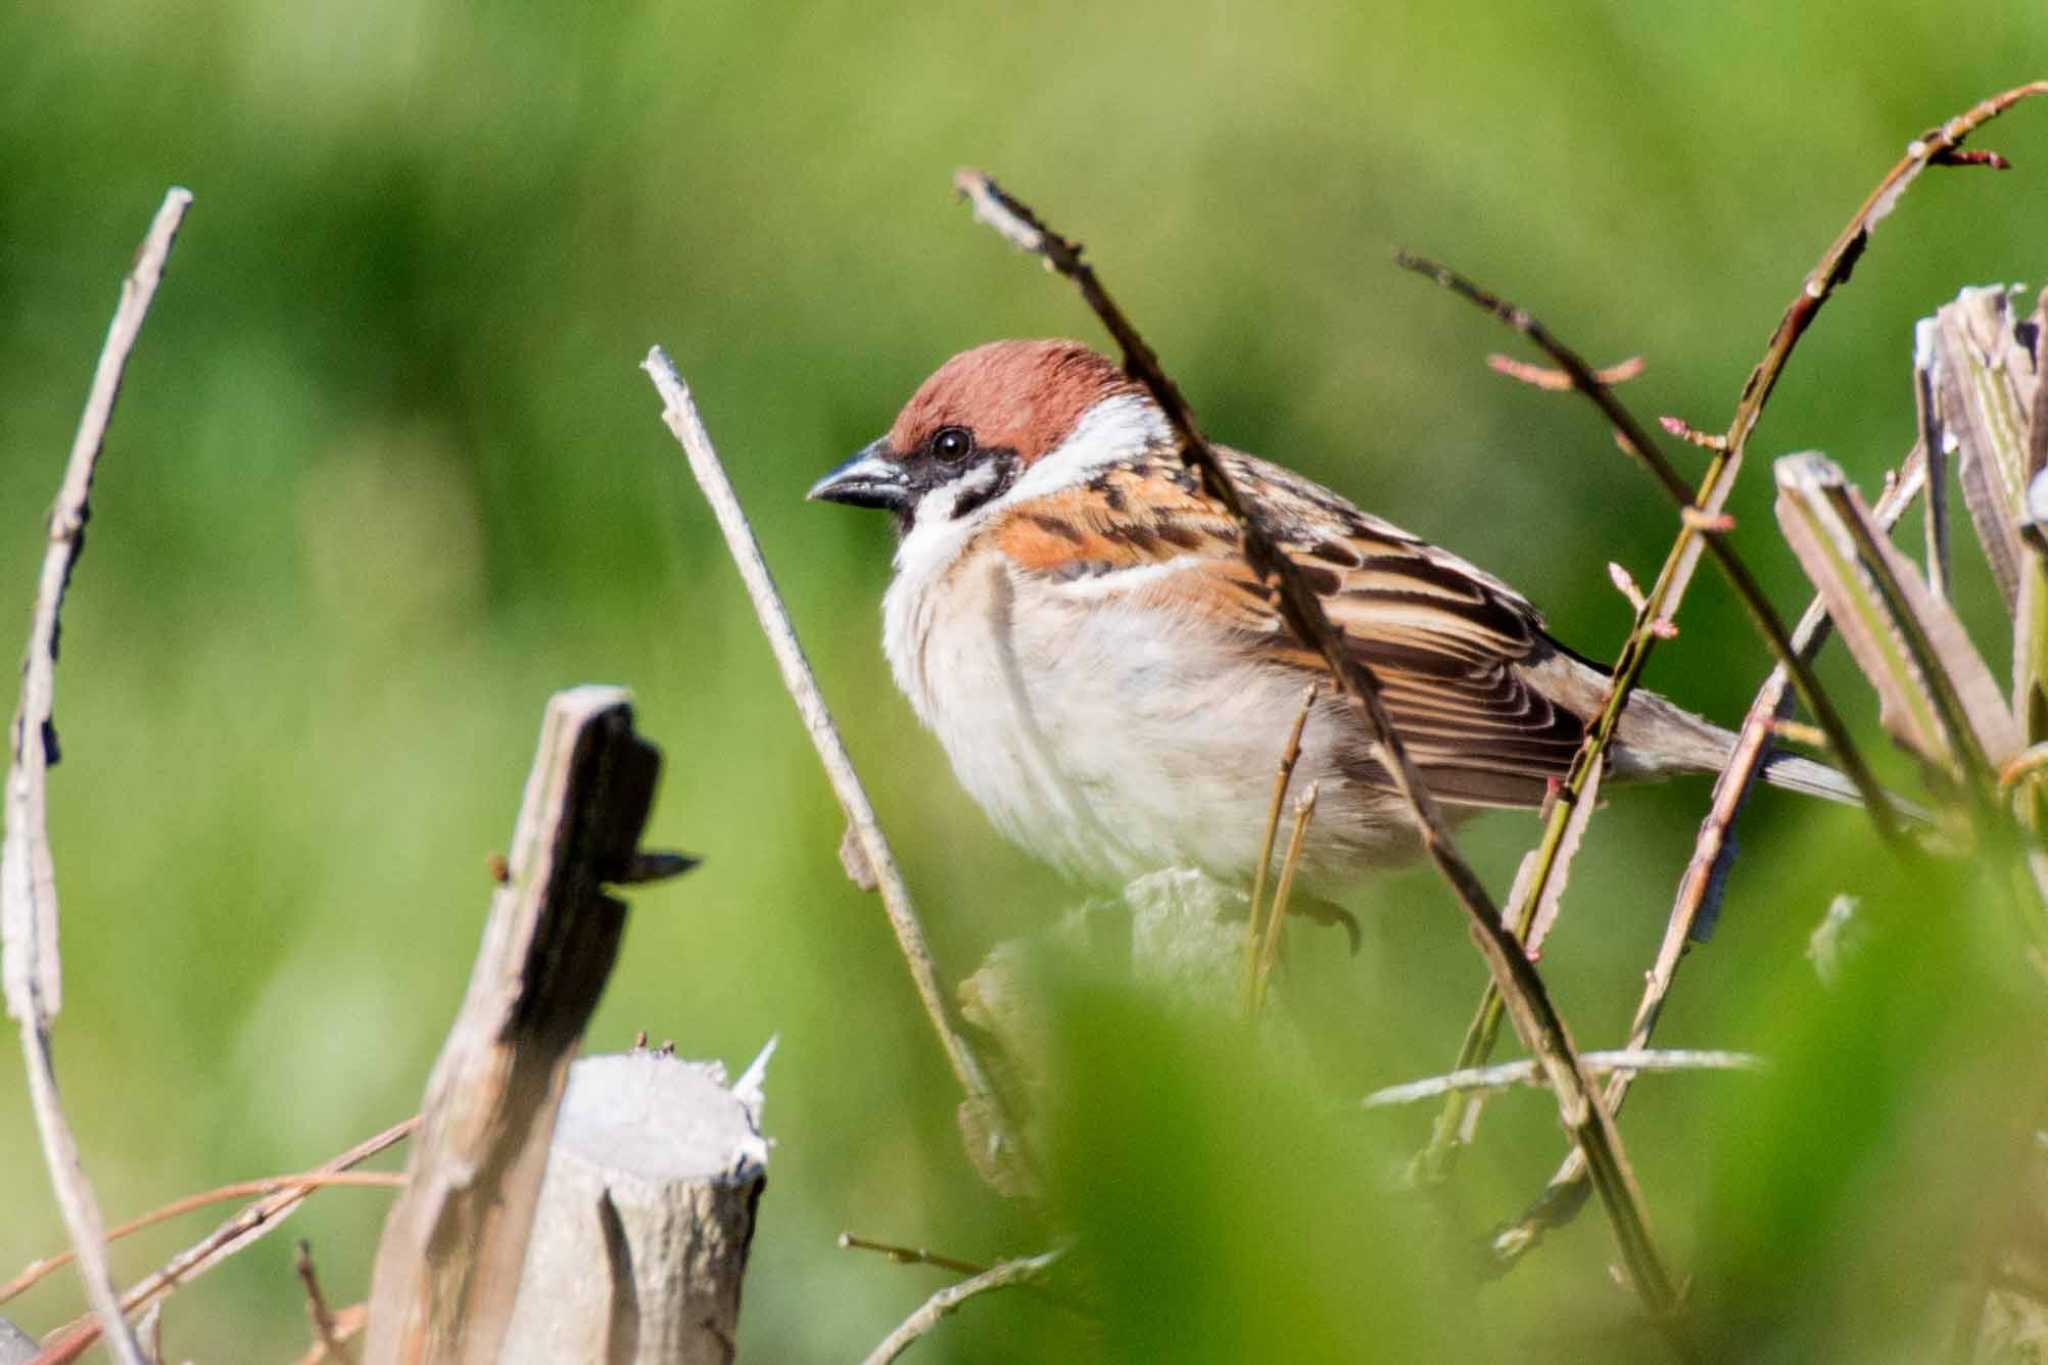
<point>385,474</point>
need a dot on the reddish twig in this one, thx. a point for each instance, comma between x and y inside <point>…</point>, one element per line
<point>1560,381</point>
<point>36,1271</point>
<point>1536,1019</point>
<point>327,1344</point>
<point>1700,886</point>
<point>28,880</point>
<point>249,1226</point>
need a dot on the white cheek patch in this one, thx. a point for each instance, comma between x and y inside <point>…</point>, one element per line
<point>1112,431</point>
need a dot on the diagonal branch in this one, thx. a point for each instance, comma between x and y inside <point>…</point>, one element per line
<point>995,1141</point>
<point>1700,886</point>
<point>254,1222</point>
<point>1628,1061</point>
<point>28,878</point>
<point>1003,1275</point>
<point>1536,1019</point>
<point>1936,147</point>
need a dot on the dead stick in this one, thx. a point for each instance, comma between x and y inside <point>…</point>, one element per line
<point>1541,1028</point>
<point>238,1233</point>
<point>36,1271</point>
<point>1002,1275</point>
<point>325,1337</point>
<point>1935,147</point>
<point>680,413</point>
<point>28,879</point>
<point>1701,885</point>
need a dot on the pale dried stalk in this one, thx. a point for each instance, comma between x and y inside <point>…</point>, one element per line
<point>1506,1075</point>
<point>1002,1275</point>
<point>1290,754</point>
<point>35,1272</point>
<point>247,1227</point>
<point>1536,1019</point>
<point>1290,863</point>
<point>1005,1161</point>
<point>28,879</point>
<point>1700,886</point>
<point>448,1263</point>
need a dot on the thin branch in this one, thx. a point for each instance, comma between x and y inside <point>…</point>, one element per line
<point>1269,948</point>
<point>348,1324</point>
<point>1936,147</point>
<point>902,1255</point>
<point>326,1336</point>
<point>1290,754</point>
<point>1694,533</point>
<point>1006,1162</point>
<point>36,1271</point>
<point>1697,902</point>
<point>1561,381</point>
<point>1002,1275</point>
<point>1506,1075</point>
<point>1536,1020</point>
<point>28,879</point>
<point>238,1233</point>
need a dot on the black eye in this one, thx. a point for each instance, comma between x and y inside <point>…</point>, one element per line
<point>952,443</point>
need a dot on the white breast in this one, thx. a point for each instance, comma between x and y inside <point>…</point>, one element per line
<point>1099,733</point>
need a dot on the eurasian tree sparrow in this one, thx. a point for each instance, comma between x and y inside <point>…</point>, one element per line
<point>1075,621</point>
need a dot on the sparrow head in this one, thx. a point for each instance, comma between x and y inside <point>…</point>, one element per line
<point>987,420</point>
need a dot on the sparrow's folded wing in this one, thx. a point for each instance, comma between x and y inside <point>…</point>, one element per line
<point>1449,643</point>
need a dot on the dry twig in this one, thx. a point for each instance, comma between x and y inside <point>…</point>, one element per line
<point>28,879</point>
<point>1542,1029</point>
<point>1936,147</point>
<point>1699,888</point>
<point>36,1271</point>
<point>252,1224</point>
<point>326,1334</point>
<point>1290,754</point>
<point>1290,863</point>
<point>902,1255</point>
<point>1002,1275</point>
<point>994,1140</point>
<point>1504,1075</point>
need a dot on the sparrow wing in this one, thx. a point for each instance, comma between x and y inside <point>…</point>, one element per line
<point>1451,645</point>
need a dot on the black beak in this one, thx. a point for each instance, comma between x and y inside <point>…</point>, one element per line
<point>870,479</point>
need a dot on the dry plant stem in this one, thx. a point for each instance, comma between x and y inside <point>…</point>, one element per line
<point>325,1336</point>
<point>1536,1020</point>
<point>1269,947</point>
<point>1832,270</point>
<point>1698,898</point>
<point>253,1223</point>
<point>1290,754</point>
<point>36,1271</point>
<point>680,413</point>
<point>1002,1275</point>
<point>910,1255</point>
<point>348,1325</point>
<point>28,880</point>
<point>448,1264</point>
<point>1505,1075</point>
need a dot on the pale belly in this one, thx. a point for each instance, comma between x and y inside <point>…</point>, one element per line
<point>1103,739</point>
